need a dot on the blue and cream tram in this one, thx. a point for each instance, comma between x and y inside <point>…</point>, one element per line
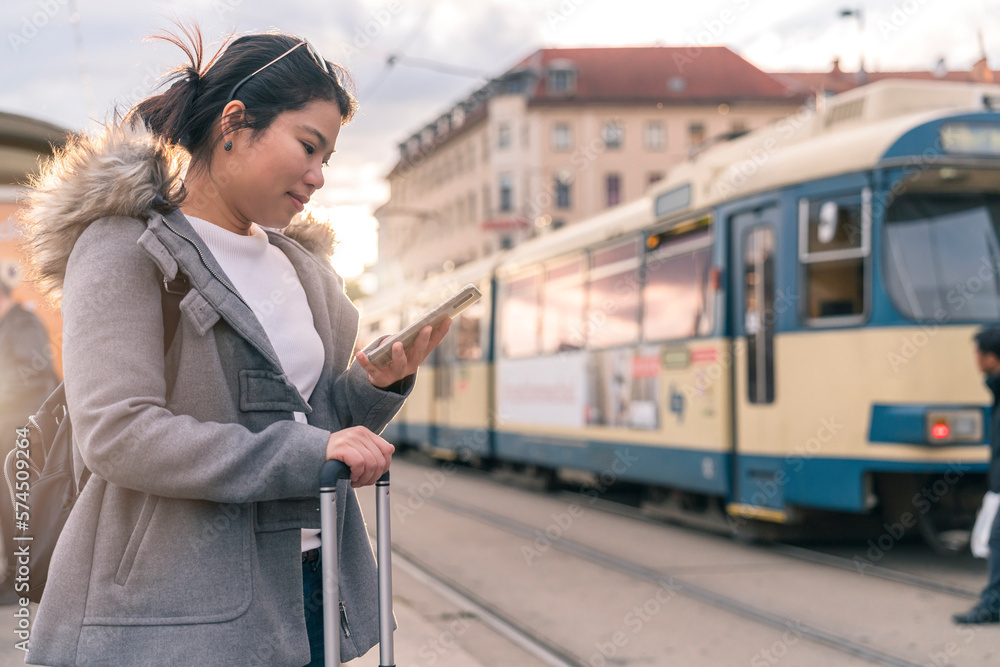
<point>782,329</point>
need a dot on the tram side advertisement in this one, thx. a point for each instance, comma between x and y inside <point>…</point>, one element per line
<point>616,388</point>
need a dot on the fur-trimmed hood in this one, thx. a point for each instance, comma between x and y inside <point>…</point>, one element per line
<point>123,171</point>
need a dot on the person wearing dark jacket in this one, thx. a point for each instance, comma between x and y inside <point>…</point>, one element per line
<point>987,610</point>
<point>27,377</point>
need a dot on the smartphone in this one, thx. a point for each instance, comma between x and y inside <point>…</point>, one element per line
<point>451,307</point>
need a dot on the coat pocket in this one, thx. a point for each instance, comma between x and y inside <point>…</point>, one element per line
<point>134,540</point>
<point>268,391</point>
<point>182,561</point>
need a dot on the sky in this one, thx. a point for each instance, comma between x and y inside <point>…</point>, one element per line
<point>71,61</point>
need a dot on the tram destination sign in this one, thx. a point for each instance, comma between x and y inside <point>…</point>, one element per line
<point>970,138</point>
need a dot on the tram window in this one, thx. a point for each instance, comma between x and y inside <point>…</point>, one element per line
<point>562,315</point>
<point>519,333</point>
<point>834,224</point>
<point>833,245</point>
<point>470,332</point>
<point>942,255</point>
<point>835,289</point>
<point>613,296</point>
<point>759,314</point>
<point>677,299</point>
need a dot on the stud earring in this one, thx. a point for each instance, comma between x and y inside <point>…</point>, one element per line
<point>229,145</point>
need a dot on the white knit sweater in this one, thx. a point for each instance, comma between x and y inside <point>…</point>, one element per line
<point>266,280</point>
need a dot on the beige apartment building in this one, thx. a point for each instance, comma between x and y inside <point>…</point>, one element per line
<point>565,134</point>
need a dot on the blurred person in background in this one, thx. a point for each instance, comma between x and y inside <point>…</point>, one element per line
<point>194,542</point>
<point>27,377</point>
<point>987,610</point>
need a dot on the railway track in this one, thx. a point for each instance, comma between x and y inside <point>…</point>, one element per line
<point>686,588</point>
<point>863,567</point>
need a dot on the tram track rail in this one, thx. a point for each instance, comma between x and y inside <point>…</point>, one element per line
<point>866,568</point>
<point>650,575</point>
<point>489,614</point>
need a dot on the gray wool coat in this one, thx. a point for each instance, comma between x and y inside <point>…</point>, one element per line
<point>184,546</point>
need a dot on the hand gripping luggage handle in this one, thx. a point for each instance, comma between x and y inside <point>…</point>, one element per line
<point>329,474</point>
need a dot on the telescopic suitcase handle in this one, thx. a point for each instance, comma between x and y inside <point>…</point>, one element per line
<point>330,473</point>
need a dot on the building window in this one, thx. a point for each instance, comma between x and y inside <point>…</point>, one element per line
<point>613,189</point>
<point>562,81</point>
<point>503,136</point>
<point>487,203</point>
<point>562,137</point>
<point>613,134</point>
<point>472,207</point>
<point>564,192</point>
<point>696,133</point>
<point>654,137</point>
<point>506,192</point>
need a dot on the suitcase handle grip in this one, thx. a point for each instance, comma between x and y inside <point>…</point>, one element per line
<point>331,471</point>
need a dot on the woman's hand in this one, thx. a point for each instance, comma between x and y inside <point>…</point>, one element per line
<point>404,362</point>
<point>366,454</point>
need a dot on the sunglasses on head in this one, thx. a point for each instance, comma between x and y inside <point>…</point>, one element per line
<point>313,53</point>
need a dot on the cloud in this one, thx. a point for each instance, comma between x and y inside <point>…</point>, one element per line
<point>42,77</point>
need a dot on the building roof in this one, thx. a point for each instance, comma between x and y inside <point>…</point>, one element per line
<point>22,141</point>
<point>667,74</point>
<point>837,81</point>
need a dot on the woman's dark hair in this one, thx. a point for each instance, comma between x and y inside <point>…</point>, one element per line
<point>187,111</point>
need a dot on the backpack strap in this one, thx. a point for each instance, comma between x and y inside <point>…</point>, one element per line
<point>170,299</point>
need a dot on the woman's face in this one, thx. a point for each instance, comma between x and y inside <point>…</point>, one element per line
<point>275,174</point>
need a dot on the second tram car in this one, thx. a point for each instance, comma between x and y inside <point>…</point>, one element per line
<point>780,331</point>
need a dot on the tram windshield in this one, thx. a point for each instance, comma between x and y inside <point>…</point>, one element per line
<point>942,255</point>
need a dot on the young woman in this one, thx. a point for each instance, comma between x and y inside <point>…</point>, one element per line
<point>194,542</point>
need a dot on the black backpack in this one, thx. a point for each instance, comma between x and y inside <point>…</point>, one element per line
<point>42,485</point>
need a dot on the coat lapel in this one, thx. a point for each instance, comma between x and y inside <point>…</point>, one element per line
<point>196,261</point>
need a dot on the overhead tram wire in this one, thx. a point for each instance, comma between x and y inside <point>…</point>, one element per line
<point>81,56</point>
<point>403,48</point>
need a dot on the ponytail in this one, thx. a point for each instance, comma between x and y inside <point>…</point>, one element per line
<point>187,113</point>
<point>172,115</point>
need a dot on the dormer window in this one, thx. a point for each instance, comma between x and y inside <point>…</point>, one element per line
<point>562,78</point>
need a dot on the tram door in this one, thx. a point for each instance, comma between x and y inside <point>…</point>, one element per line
<point>755,307</point>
